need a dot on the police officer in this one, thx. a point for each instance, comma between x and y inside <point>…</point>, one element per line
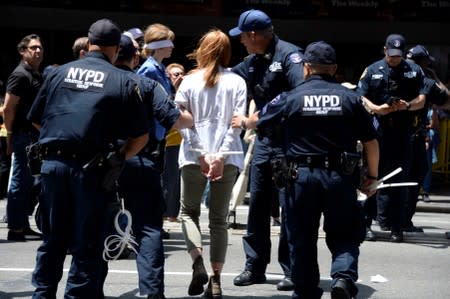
<point>272,67</point>
<point>322,121</point>
<point>139,183</point>
<point>82,108</point>
<point>395,93</point>
<point>436,94</point>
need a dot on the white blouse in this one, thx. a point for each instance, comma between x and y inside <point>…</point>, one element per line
<point>212,110</point>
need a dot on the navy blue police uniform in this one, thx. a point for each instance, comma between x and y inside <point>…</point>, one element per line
<point>397,133</point>
<point>140,186</point>
<point>81,108</point>
<point>434,96</point>
<point>322,121</point>
<point>267,75</point>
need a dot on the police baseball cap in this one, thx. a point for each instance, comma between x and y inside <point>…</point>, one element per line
<point>319,53</point>
<point>395,45</point>
<point>251,20</point>
<point>104,33</point>
<point>127,48</point>
<point>419,52</point>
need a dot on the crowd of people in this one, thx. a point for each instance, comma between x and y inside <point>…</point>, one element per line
<point>181,133</point>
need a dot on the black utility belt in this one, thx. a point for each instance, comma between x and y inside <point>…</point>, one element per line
<point>345,162</point>
<point>47,152</point>
<point>317,161</point>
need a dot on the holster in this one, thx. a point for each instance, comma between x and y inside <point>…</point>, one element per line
<point>349,162</point>
<point>279,171</point>
<point>34,158</point>
<point>110,164</point>
<point>115,163</point>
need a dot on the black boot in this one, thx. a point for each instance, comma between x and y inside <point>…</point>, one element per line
<point>199,277</point>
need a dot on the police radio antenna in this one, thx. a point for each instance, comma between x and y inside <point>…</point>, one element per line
<point>115,244</point>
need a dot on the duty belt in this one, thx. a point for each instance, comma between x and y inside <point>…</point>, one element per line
<point>317,161</point>
<point>64,153</point>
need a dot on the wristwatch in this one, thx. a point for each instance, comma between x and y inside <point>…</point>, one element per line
<point>408,106</point>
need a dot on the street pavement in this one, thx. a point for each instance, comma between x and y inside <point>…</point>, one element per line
<point>415,269</point>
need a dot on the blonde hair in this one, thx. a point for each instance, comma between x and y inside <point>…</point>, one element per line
<point>156,32</point>
<point>174,65</point>
<point>213,52</point>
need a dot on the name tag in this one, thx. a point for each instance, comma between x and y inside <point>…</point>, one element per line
<point>410,75</point>
<point>275,67</point>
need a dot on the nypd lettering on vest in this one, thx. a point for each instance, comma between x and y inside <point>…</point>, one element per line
<point>314,105</point>
<point>85,79</point>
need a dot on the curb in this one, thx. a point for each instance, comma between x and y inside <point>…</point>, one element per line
<point>433,208</point>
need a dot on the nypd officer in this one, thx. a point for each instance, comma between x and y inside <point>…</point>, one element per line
<point>139,183</point>
<point>322,121</point>
<point>395,93</point>
<point>82,108</point>
<point>436,94</point>
<point>272,67</point>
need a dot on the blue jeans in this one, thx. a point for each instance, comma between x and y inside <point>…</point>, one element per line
<point>21,183</point>
<point>431,158</point>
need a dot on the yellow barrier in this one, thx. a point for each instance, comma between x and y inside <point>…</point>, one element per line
<point>442,166</point>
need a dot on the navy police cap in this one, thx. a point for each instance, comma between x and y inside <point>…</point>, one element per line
<point>251,20</point>
<point>127,48</point>
<point>419,52</point>
<point>320,53</point>
<point>104,33</point>
<point>395,45</point>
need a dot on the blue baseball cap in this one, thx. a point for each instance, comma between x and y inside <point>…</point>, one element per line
<point>251,20</point>
<point>320,53</point>
<point>419,52</point>
<point>104,33</point>
<point>395,45</point>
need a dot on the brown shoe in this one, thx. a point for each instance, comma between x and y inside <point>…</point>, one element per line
<point>199,277</point>
<point>213,291</point>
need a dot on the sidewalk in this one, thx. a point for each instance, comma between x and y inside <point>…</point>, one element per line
<point>440,199</point>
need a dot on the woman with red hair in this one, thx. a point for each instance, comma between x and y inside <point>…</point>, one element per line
<point>210,151</point>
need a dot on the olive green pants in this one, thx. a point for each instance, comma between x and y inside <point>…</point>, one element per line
<point>193,184</point>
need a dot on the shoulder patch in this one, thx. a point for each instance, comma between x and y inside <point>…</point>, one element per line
<point>295,58</point>
<point>138,92</point>
<point>275,100</point>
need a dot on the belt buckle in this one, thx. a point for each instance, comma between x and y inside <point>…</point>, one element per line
<point>326,162</point>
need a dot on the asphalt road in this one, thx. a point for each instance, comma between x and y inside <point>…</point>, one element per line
<point>416,269</point>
